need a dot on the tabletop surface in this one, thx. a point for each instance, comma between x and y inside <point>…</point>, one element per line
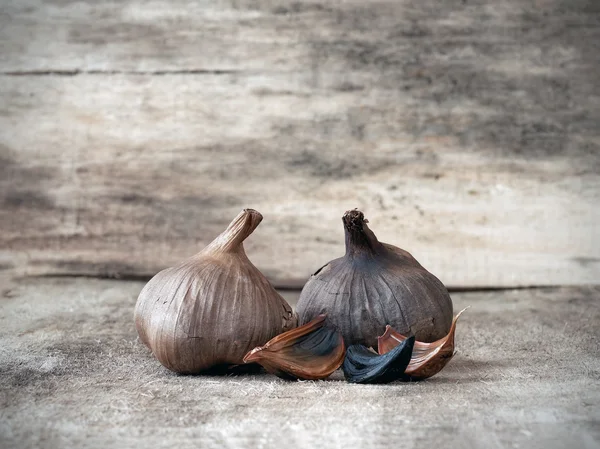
<point>74,374</point>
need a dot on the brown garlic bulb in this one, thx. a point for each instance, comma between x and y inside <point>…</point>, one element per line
<point>373,285</point>
<point>211,309</point>
<point>427,359</point>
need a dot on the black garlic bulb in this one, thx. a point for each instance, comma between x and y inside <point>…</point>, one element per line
<point>374,285</point>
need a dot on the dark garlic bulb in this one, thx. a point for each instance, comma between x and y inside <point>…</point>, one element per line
<point>211,309</point>
<point>309,352</point>
<point>364,366</point>
<point>373,285</point>
<point>427,359</point>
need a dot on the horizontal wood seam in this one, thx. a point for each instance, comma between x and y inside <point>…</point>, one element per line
<point>76,72</point>
<point>293,284</point>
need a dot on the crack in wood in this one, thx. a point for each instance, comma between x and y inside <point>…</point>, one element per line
<point>76,72</point>
<point>286,284</point>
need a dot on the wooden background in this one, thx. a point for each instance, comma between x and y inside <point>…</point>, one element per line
<point>131,132</point>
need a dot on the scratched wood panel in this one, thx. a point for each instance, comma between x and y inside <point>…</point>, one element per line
<point>132,132</point>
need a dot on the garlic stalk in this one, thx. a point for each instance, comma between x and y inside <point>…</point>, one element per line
<point>373,285</point>
<point>214,307</point>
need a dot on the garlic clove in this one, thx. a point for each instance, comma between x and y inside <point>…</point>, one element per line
<point>309,352</point>
<point>427,359</point>
<point>363,365</point>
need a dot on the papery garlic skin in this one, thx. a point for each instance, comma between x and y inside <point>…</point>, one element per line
<point>427,359</point>
<point>309,352</point>
<point>212,308</point>
<point>376,284</point>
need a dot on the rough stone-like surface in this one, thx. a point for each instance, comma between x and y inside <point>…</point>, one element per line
<point>73,374</point>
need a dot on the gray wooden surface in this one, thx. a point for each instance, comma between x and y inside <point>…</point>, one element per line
<point>131,132</point>
<point>74,374</point>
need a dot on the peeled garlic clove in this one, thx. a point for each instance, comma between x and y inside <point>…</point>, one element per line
<point>373,285</point>
<point>309,352</point>
<point>427,359</point>
<point>214,307</point>
<point>364,366</point>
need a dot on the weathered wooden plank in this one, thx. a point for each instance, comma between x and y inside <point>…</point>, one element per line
<point>127,174</point>
<point>394,39</point>
<point>73,370</point>
<point>467,133</point>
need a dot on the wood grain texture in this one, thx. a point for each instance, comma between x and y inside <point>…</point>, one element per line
<point>74,373</point>
<point>132,132</point>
